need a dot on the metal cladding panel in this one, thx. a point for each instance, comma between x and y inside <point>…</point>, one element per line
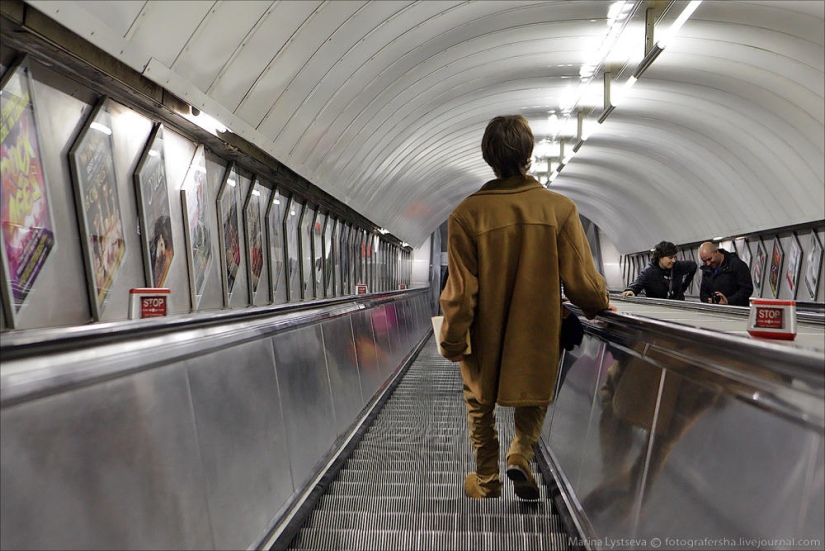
<point>747,469</point>
<point>615,448</point>
<point>306,397</point>
<point>397,331</point>
<point>567,423</point>
<point>345,373</point>
<point>109,466</point>
<point>814,499</point>
<point>242,440</point>
<point>405,313</point>
<point>375,360</point>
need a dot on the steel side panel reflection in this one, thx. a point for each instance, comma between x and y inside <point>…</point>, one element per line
<point>405,314</point>
<point>344,377</point>
<point>567,420</point>
<point>242,440</point>
<point>110,466</point>
<point>374,361</point>
<point>303,381</point>
<point>814,500</point>
<point>726,469</point>
<point>613,463</point>
<point>397,334</point>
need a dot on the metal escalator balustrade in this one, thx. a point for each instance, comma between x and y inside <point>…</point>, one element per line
<point>403,485</point>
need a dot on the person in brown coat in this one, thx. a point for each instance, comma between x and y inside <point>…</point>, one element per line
<point>510,246</point>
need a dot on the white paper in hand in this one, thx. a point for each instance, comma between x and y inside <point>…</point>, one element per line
<point>437,322</point>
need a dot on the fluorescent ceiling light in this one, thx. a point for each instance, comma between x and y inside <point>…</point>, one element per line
<point>101,128</point>
<point>677,25</point>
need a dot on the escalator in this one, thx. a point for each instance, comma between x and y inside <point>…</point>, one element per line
<point>402,486</point>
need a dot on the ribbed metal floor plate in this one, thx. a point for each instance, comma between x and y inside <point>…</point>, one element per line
<point>403,486</point>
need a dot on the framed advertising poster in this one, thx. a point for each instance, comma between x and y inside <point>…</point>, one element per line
<point>25,210</point>
<point>229,235</point>
<point>743,251</point>
<point>153,210</point>
<point>758,268</point>
<point>814,260</point>
<point>92,162</point>
<point>776,266</point>
<point>274,226</point>
<point>728,246</point>
<point>195,202</point>
<point>794,264</point>
<point>254,239</point>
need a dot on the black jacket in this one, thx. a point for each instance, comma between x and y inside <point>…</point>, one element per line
<point>659,283</point>
<point>732,279</point>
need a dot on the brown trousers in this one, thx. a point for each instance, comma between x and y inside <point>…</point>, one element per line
<point>481,421</point>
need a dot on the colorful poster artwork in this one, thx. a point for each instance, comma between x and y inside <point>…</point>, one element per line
<point>255,237</point>
<point>230,226</point>
<point>776,267</point>
<point>759,265</point>
<point>814,259</point>
<point>94,168</point>
<point>28,228</point>
<point>794,264</point>
<point>196,205</point>
<point>156,214</point>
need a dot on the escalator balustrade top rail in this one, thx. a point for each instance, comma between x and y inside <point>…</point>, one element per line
<point>787,380</point>
<point>34,342</point>
<point>36,363</point>
<point>808,312</point>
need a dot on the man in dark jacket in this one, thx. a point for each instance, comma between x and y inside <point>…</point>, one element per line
<point>725,278</point>
<point>664,277</point>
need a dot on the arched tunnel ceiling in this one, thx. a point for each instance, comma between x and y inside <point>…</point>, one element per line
<point>383,104</point>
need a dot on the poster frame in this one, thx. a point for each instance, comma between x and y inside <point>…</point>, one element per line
<point>12,310</point>
<point>743,251</point>
<point>775,273</point>
<point>230,175</point>
<point>794,264</point>
<point>197,265</point>
<point>155,143</point>
<point>273,232</point>
<point>99,113</point>
<point>814,261</point>
<point>253,198</point>
<point>759,265</point>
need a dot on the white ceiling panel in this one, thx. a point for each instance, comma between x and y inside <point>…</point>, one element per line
<point>383,104</point>
<point>218,40</point>
<point>263,45</point>
<point>165,28</point>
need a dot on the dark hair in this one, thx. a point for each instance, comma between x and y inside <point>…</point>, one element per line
<point>507,145</point>
<point>663,249</point>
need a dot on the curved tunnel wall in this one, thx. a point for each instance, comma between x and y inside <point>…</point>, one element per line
<point>383,104</point>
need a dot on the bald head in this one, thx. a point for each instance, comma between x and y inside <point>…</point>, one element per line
<point>709,255</point>
<point>707,248</point>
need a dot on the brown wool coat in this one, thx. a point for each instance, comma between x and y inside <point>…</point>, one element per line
<point>510,246</point>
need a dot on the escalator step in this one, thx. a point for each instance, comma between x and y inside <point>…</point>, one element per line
<point>426,539</point>
<point>402,487</point>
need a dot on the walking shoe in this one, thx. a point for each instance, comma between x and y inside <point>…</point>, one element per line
<point>473,488</point>
<point>518,470</point>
